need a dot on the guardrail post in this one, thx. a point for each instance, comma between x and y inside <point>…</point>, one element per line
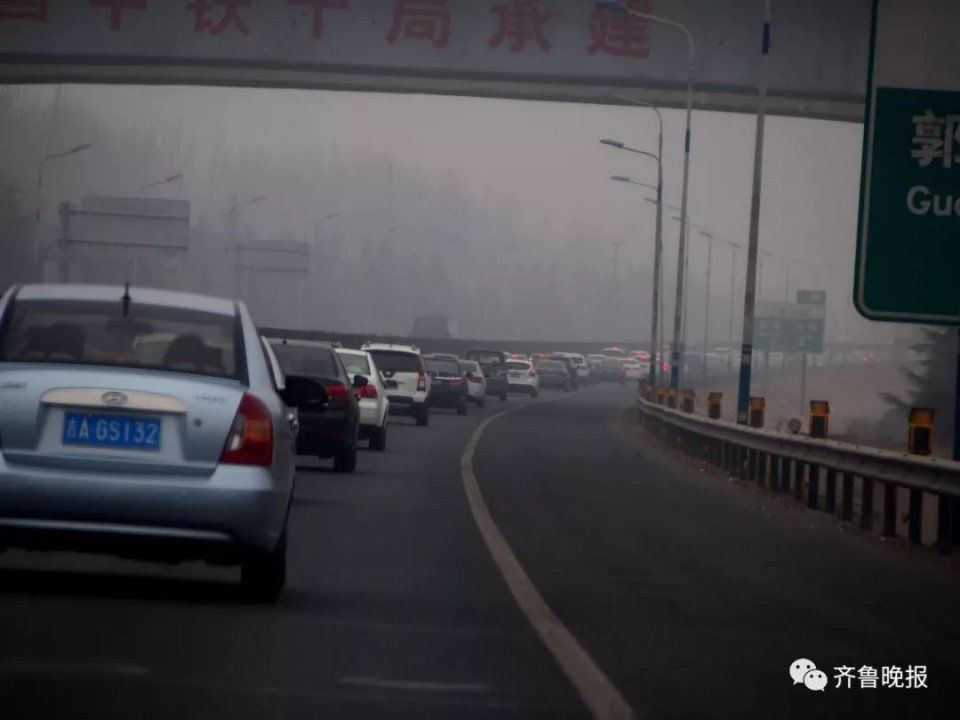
<point>831,490</point>
<point>846,511</point>
<point>799,469</point>
<point>761,473</point>
<point>774,472</point>
<point>915,516</point>
<point>944,524</point>
<point>786,470</point>
<point>813,486</point>
<point>889,509</point>
<point>866,504</point>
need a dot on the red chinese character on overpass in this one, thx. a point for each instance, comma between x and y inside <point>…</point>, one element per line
<point>116,9</point>
<point>520,21</point>
<point>23,10</point>
<point>318,7</point>
<point>203,10</point>
<point>618,33</point>
<point>421,20</point>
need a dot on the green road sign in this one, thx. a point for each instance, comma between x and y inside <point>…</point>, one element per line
<point>908,246</point>
<point>789,327</point>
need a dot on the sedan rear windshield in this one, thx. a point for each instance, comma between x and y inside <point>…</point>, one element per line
<point>552,365</point>
<point>390,361</point>
<point>101,333</point>
<point>517,365</point>
<point>306,360</point>
<point>443,367</point>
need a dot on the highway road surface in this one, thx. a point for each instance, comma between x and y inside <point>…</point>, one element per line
<point>686,595</point>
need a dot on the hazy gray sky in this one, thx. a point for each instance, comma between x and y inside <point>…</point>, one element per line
<point>542,158</point>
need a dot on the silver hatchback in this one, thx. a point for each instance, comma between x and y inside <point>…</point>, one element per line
<point>145,424</point>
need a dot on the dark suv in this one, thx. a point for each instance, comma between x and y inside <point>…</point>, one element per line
<point>493,365</point>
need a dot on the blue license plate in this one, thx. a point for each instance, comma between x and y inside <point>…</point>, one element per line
<point>436,381</point>
<point>119,431</point>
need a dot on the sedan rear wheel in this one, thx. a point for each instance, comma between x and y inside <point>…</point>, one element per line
<point>423,415</point>
<point>462,407</point>
<point>345,459</point>
<point>263,574</point>
<point>378,437</point>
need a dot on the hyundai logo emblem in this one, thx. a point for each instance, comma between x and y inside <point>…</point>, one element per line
<point>114,397</point>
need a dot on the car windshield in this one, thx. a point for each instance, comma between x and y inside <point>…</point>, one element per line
<point>470,366</point>
<point>306,359</point>
<point>99,333</point>
<point>485,358</point>
<point>442,367</point>
<point>390,361</point>
<point>517,365</point>
<point>355,363</point>
<point>551,365</point>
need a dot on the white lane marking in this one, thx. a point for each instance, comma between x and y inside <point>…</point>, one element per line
<point>598,692</point>
<point>69,667</point>
<point>414,685</point>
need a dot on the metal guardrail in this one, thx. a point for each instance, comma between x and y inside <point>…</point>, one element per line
<point>798,463</point>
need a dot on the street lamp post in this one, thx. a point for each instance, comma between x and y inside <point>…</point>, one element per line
<point>54,156</point>
<point>677,350</point>
<point>656,327</point>
<point>160,182</point>
<point>656,322</point>
<point>749,293</point>
<point>706,301</point>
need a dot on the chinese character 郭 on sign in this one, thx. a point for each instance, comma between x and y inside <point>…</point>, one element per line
<point>936,138</point>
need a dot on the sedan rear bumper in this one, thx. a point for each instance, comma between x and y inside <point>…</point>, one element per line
<point>220,517</point>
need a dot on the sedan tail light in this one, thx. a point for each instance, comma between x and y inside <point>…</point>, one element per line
<point>250,441</point>
<point>533,373</point>
<point>368,391</point>
<point>338,394</point>
<point>456,382</point>
<point>422,382</point>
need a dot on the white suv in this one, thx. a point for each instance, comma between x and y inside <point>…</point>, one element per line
<point>404,365</point>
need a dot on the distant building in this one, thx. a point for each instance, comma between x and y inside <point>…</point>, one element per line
<point>438,327</point>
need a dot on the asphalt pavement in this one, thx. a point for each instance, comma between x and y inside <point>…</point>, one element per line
<point>692,593</point>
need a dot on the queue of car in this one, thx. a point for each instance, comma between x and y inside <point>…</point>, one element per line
<point>163,425</point>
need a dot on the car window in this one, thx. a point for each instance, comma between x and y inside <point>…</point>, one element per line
<point>551,365</point>
<point>392,361</point>
<point>470,366</point>
<point>355,363</point>
<point>517,365</point>
<point>101,333</point>
<point>307,360</point>
<point>443,367</point>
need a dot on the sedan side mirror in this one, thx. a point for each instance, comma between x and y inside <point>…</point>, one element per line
<point>304,392</point>
<point>359,381</point>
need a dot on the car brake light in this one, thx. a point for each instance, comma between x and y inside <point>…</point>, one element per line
<point>250,441</point>
<point>563,373</point>
<point>421,382</point>
<point>368,391</point>
<point>338,394</point>
<point>533,373</point>
<point>457,382</point>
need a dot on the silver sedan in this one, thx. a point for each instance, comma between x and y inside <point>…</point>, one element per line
<point>146,424</point>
